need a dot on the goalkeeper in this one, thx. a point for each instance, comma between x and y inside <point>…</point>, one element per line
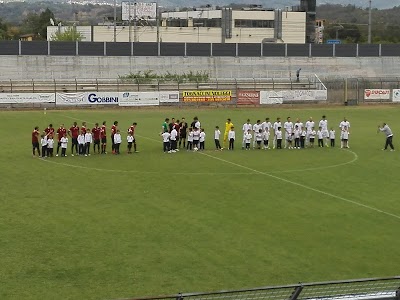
<point>228,126</point>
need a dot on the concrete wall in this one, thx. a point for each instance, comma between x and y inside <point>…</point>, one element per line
<point>69,67</point>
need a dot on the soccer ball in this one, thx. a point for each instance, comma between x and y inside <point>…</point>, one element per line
<point>195,149</point>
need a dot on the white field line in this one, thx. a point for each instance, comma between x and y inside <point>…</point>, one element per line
<point>289,181</point>
<point>303,186</point>
<point>134,171</point>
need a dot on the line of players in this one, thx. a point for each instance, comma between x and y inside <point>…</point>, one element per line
<point>81,139</point>
<point>295,135</point>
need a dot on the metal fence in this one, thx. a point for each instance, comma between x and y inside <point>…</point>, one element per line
<point>360,289</point>
<point>196,49</point>
<point>149,84</point>
<point>352,90</point>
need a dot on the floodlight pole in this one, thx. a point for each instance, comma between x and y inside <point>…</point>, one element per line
<point>134,23</point>
<point>115,21</point>
<point>158,22</point>
<point>130,25</point>
<point>370,22</point>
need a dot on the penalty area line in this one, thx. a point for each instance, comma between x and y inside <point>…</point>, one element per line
<point>303,186</point>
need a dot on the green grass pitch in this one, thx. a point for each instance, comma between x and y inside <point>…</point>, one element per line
<point>107,227</point>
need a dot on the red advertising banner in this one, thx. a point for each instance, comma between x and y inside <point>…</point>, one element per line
<point>248,98</point>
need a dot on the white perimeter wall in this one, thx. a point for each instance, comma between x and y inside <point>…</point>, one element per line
<point>59,67</point>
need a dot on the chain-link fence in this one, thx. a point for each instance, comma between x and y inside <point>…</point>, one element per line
<point>360,289</point>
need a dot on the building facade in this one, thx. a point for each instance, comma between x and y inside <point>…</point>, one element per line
<point>205,26</point>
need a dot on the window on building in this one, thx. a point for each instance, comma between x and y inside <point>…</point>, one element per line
<point>177,23</point>
<point>207,22</point>
<point>254,23</point>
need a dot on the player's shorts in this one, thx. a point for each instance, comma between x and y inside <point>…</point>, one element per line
<point>35,145</point>
<point>344,140</point>
<point>258,142</point>
<point>311,140</point>
<point>74,141</point>
<point>129,145</point>
<point>183,135</point>
<point>104,140</point>
<point>96,142</point>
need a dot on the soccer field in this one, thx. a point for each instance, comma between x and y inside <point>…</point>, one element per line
<point>149,223</point>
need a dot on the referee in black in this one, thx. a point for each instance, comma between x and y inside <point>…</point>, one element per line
<point>389,135</point>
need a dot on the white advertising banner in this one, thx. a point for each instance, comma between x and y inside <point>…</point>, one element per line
<point>139,98</point>
<point>140,10</point>
<point>278,97</point>
<point>376,94</point>
<point>27,98</point>
<point>271,97</point>
<point>102,98</point>
<point>396,95</point>
<point>70,99</point>
<point>87,98</point>
<point>305,95</point>
<point>169,96</point>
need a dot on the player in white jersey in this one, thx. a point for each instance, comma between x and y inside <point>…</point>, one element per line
<point>299,124</point>
<point>256,129</point>
<point>309,127</point>
<point>324,129</point>
<point>266,125</point>
<point>277,124</point>
<point>288,127</point>
<point>345,124</point>
<point>246,127</point>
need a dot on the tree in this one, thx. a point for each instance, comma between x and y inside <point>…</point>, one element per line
<point>348,32</point>
<point>37,23</point>
<point>68,34</point>
<point>3,31</point>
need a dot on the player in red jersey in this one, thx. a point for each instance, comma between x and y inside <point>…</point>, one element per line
<point>114,129</point>
<point>61,131</point>
<point>103,137</point>
<point>83,128</point>
<point>73,132</point>
<point>35,141</point>
<point>96,138</point>
<point>131,130</point>
<point>49,130</point>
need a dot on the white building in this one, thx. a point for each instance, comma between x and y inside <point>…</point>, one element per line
<point>207,26</point>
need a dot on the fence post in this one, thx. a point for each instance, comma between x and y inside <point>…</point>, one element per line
<point>131,48</point>
<point>105,48</point>
<point>296,293</point>
<point>357,50</point>
<point>309,50</point>
<point>285,50</point>
<point>76,48</point>
<point>211,49</point>
<point>19,48</point>
<point>158,49</point>
<point>333,50</point>
<point>237,50</point>
<point>185,55</point>
<point>261,49</point>
<point>48,47</point>
<point>33,86</point>
<point>380,50</point>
